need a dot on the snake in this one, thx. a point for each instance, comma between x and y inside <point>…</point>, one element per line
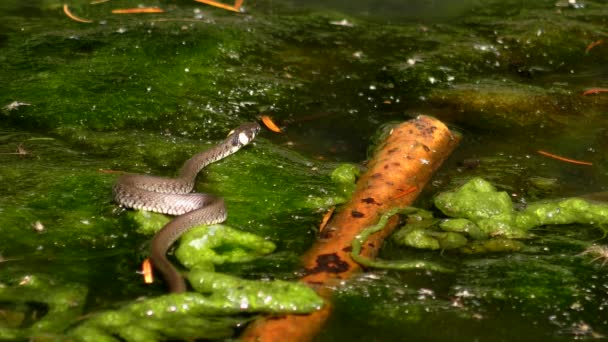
<point>174,196</point>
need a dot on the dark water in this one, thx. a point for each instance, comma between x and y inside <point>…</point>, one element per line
<point>142,92</point>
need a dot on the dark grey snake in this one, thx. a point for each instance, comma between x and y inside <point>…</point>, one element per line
<point>173,196</point>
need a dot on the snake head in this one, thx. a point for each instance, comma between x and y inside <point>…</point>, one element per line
<point>243,134</point>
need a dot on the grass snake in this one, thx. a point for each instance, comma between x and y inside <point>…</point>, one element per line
<point>174,196</point>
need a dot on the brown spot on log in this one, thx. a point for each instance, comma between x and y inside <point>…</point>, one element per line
<point>330,263</point>
<point>369,200</point>
<point>356,214</point>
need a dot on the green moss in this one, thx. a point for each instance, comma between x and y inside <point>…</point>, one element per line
<point>480,212</point>
<point>464,226</point>
<point>59,303</point>
<point>476,200</point>
<point>345,176</point>
<point>275,296</point>
<point>219,306</point>
<point>416,236</point>
<point>218,244</point>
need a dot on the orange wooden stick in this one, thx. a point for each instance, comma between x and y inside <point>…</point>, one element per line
<point>406,160</point>
<point>564,159</point>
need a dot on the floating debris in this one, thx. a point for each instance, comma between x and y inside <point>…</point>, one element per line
<point>15,105</point>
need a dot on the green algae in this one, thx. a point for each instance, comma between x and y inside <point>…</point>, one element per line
<point>222,304</point>
<point>62,303</point>
<point>480,212</point>
<point>218,244</point>
<point>360,239</point>
<point>345,176</point>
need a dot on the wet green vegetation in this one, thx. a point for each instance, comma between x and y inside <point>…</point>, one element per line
<point>142,93</point>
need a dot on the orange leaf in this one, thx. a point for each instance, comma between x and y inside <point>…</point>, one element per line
<point>146,271</point>
<point>270,124</point>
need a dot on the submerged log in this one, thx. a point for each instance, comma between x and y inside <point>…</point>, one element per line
<point>398,172</point>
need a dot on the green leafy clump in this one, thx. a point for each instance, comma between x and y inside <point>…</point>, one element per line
<point>59,302</point>
<point>345,176</point>
<point>225,303</point>
<point>218,244</point>
<point>395,265</point>
<point>483,219</point>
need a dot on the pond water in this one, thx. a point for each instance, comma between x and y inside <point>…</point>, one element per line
<point>83,101</point>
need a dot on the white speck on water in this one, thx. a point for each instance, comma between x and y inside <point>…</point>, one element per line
<point>342,22</point>
<point>38,226</point>
<point>187,69</point>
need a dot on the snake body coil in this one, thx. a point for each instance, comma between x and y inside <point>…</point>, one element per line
<point>173,196</point>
